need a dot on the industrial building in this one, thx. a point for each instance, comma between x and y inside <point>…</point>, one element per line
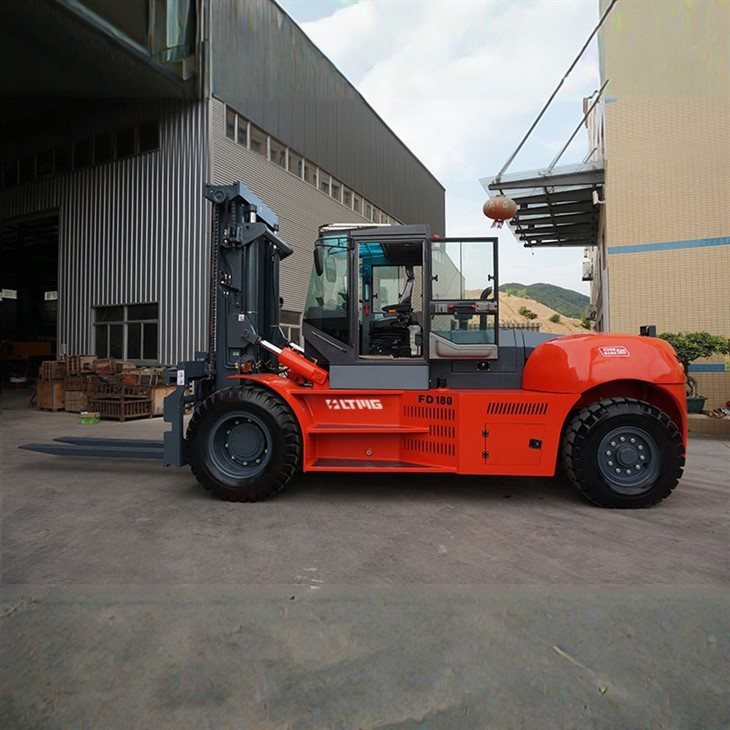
<point>116,114</point>
<point>649,201</point>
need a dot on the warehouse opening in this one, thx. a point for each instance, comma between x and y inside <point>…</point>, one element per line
<point>28,292</point>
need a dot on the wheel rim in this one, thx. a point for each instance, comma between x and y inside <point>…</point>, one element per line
<point>239,445</point>
<point>628,459</point>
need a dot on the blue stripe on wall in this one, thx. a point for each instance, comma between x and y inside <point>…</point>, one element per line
<point>707,368</point>
<point>671,245</point>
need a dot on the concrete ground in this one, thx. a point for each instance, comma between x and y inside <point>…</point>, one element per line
<point>132,599</point>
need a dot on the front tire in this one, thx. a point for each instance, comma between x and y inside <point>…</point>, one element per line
<point>623,453</point>
<point>244,444</point>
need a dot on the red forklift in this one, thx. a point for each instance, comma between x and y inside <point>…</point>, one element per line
<point>404,369</point>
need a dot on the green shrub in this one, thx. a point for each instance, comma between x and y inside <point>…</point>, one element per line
<point>555,318</point>
<point>527,313</point>
<point>691,345</point>
<point>585,322</point>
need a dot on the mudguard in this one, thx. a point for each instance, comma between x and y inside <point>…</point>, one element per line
<point>578,363</point>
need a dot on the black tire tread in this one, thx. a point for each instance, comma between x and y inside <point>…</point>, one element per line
<point>286,423</point>
<point>584,421</point>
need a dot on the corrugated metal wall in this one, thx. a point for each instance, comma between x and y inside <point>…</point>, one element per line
<point>130,231</point>
<point>269,71</point>
<point>301,208</point>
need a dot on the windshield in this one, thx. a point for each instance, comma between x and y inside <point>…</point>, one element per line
<point>327,302</point>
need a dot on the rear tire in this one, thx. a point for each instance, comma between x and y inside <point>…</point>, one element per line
<point>244,444</point>
<point>623,453</point>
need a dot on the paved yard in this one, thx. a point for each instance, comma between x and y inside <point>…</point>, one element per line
<point>132,599</point>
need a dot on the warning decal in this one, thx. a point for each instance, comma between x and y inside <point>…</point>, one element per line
<point>614,351</point>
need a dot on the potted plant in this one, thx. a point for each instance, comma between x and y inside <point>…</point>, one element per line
<point>692,345</point>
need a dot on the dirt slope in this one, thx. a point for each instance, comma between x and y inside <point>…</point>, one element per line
<point>508,312</point>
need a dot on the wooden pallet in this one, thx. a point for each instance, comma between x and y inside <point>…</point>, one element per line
<point>121,409</point>
<point>50,395</point>
<point>76,382</point>
<point>79,364</point>
<point>52,370</point>
<point>76,401</point>
<point>112,388</point>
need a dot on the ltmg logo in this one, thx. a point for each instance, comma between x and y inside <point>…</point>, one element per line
<point>354,404</point>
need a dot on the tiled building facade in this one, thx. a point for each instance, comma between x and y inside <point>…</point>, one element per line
<point>663,254</point>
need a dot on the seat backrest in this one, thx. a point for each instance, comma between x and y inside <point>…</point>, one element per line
<point>405,297</point>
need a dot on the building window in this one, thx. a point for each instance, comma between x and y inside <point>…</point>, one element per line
<point>103,149</point>
<point>125,142</point>
<point>63,158</point>
<point>336,190</point>
<point>10,174</point>
<point>258,141</point>
<point>310,173</point>
<point>291,323</point>
<point>44,163</point>
<point>230,124</point>
<point>149,136</point>
<point>27,169</point>
<point>127,332</point>
<point>278,153</point>
<point>82,154</point>
<point>296,164</point>
<point>242,131</point>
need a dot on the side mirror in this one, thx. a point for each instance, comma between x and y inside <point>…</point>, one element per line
<point>318,263</point>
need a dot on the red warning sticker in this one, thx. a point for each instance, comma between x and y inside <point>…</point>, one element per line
<point>615,351</point>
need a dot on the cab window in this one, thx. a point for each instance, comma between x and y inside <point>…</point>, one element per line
<point>328,299</point>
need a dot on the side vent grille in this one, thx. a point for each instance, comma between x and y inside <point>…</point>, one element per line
<point>441,437</point>
<point>440,440</point>
<point>430,413</point>
<point>517,409</point>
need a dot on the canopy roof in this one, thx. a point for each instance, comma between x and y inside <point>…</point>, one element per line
<point>557,207</point>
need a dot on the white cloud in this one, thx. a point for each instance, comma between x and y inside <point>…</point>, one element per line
<point>460,82</point>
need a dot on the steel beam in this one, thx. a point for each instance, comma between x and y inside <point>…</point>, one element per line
<point>543,197</point>
<point>583,206</point>
<point>522,219</point>
<point>591,175</point>
<point>556,233</point>
<point>558,244</point>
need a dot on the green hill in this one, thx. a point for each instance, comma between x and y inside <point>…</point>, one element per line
<point>566,301</point>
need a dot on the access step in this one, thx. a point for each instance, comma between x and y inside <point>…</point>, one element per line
<point>364,429</point>
<point>376,465</point>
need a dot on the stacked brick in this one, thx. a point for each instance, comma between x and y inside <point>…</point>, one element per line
<point>116,390</point>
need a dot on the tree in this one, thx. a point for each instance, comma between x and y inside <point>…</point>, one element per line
<point>690,346</point>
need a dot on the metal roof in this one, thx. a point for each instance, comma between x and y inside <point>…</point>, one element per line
<point>555,207</point>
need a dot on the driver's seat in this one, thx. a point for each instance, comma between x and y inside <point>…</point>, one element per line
<point>404,300</point>
<point>392,335</point>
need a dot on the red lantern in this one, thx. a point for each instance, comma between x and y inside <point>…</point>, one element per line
<point>500,208</point>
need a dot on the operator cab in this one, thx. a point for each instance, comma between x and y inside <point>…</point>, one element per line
<point>396,294</point>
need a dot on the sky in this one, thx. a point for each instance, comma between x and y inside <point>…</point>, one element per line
<point>460,82</point>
